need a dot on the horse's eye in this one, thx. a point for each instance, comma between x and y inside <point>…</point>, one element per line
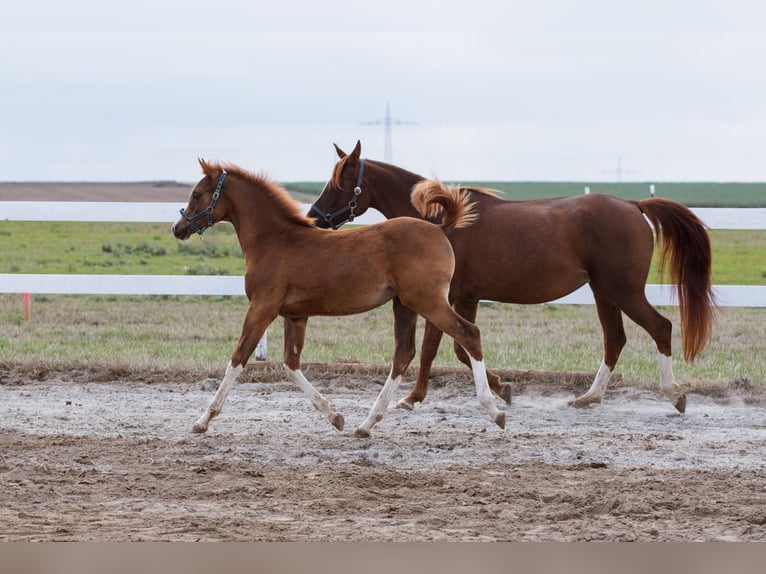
<point>196,195</point>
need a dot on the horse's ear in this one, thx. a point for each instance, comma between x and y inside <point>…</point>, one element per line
<point>357,150</point>
<point>340,152</point>
<point>203,164</point>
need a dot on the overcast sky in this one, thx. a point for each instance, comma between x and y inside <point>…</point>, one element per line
<point>588,90</point>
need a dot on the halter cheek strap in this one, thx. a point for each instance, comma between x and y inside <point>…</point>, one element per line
<point>330,217</point>
<point>209,211</point>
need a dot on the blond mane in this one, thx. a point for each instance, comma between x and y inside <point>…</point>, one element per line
<point>291,208</point>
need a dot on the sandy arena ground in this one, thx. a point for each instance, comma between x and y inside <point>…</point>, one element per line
<point>115,461</point>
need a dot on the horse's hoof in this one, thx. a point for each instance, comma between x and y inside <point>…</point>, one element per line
<point>584,401</point>
<point>404,404</point>
<point>198,428</point>
<point>337,421</point>
<point>361,433</point>
<point>500,420</point>
<point>506,393</point>
<point>681,404</point>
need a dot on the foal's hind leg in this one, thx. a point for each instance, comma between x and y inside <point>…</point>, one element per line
<point>295,334</point>
<point>468,336</point>
<point>468,310</point>
<point>405,322</point>
<point>610,317</point>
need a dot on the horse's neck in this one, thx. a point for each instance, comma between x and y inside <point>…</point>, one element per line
<point>258,222</point>
<point>392,197</point>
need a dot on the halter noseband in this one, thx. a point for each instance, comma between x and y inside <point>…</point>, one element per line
<point>208,211</point>
<point>329,217</point>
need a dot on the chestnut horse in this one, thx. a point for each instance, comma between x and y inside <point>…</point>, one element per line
<point>536,251</point>
<point>295,269</point>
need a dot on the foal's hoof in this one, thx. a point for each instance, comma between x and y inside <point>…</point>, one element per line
<point>198,428</point>
<point>405,404</point>
<point>361,433</point>
<point>681,404</point>
<point>500,420</point>
<point>506,393</point>
<point>584,401</point>
<point>337,421</point>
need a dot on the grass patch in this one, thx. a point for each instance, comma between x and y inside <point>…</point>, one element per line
<point>199,333</point>
<point>116,248</point>
<point>693,194</point>
<point>739,257</point>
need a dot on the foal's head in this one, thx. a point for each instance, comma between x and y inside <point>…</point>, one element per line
<point>203,210</point>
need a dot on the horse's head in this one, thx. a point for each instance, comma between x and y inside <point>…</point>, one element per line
<point>203,210</point>
<point>343,197</point>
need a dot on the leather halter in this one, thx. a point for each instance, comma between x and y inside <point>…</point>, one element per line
<point>208,211</point>
<point>329,217</point>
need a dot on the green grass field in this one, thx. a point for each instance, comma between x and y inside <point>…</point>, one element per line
<point>703,194</point>
<point>739,257</point>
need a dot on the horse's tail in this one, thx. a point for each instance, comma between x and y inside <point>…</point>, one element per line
<point>433,199</point>
<point>684,239</point>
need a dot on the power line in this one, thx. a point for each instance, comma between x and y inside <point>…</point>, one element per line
<point>387,122</point>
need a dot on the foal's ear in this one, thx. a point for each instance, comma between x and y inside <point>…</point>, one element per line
<point>340,152</point>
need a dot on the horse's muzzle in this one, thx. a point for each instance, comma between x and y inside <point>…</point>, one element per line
<point>180,230</point>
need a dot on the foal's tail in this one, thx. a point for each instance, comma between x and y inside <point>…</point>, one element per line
<point>683,238</point>
<point>433,199</point>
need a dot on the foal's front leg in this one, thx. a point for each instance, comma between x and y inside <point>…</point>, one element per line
<point>295,334</point>
<point>256,321</point>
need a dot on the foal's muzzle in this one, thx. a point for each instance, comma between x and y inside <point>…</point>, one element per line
<point>191,221</point>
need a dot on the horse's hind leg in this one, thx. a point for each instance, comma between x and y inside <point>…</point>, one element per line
<point>468,310</point>
<point>295,334</point>
<point>405,322</point>
<point>613,329</point>
<point>468,336</point>
<point>660,329</point>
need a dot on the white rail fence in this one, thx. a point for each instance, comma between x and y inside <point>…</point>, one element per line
<point>724,218</point>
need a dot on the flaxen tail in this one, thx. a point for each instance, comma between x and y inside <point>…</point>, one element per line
<point>683,239</point>
<point>433,200</point>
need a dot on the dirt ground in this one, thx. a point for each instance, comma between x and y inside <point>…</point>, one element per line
<point>88,459</point>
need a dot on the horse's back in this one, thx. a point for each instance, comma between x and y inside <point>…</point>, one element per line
<point>549,247</point>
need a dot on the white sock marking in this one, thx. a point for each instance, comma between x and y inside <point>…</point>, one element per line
<point>320,403</point>
<point>600,383</point>
<point>216,405</point>
<point>482,388</point>
<point>381,403</point>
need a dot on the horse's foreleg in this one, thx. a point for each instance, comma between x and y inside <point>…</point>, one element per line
<point>468,310</point>
<point>405,323</point>
<point>214,409</point>
<point>295,334</point>
<point>430,346</point>
<point>256,321</point>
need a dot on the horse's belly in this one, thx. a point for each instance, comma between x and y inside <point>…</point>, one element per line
<point>331,302</point>
<point>522,287</point>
